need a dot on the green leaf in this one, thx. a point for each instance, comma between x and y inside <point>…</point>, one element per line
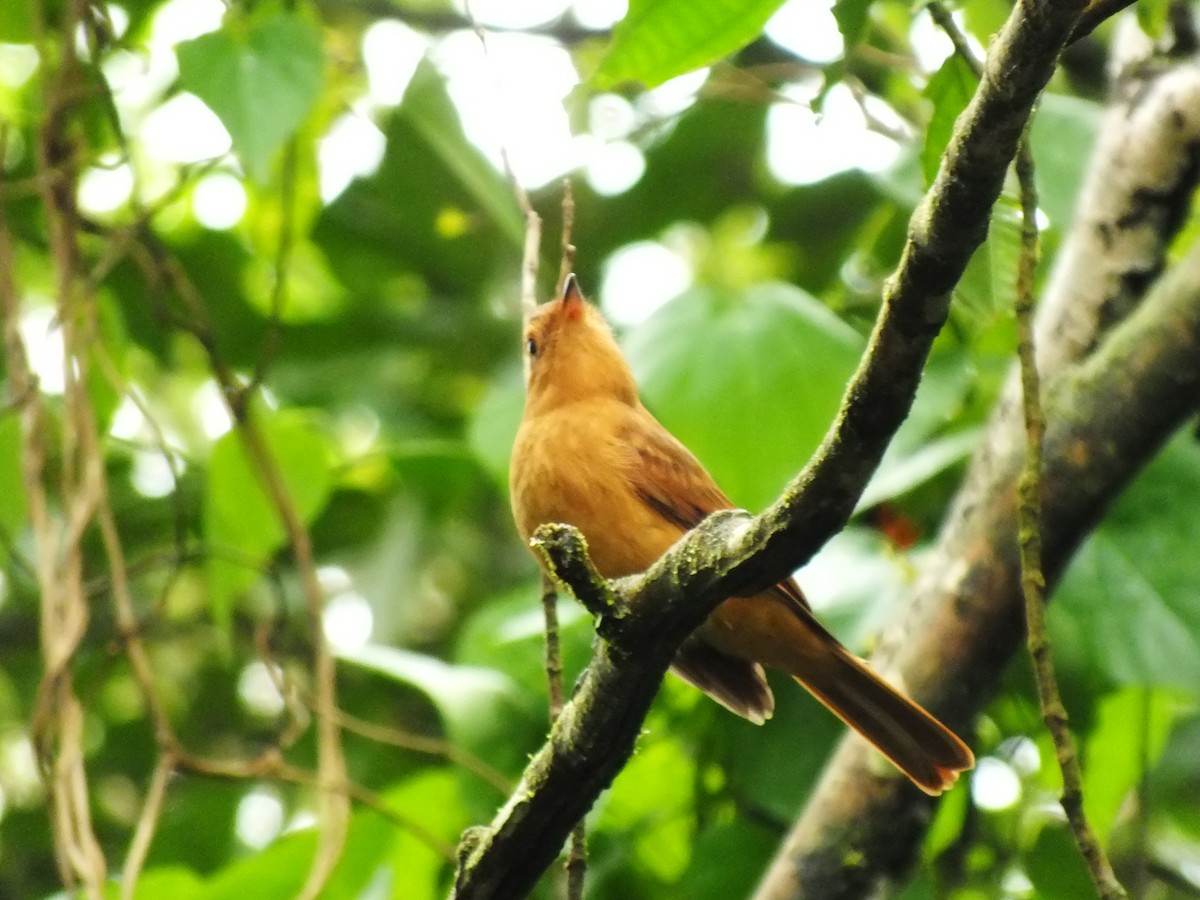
<point>1055,867</point>
<point>1128,738</point>
<point>507,634</point>
<point>241,522</point>
<point>924,885</point>
<point>948,823</point>
<point>652,803</point>
<point>728,859</point>
<point>1130,630</point>
<point>659,39</point>
<point>175,882</point>
<point>851,17</point>
<point>434,800</point>
<point>1064,130</point>
<point>748,381</point>
<point>950,89</point>
<point>1004,250</point>
<point>1127,612</point>
<point>280,870</point>
<point>445,475</point>
<point>427,109</point>
<point>368,843</point>
<point>112,343</point>
<point>261,81</point>
<point>277,871</point>
<point>988,287</point>
<point>457,223</point>
<point>1152,16</point>
<point>899,473</point>
<point>12,484</point>
<point>480,707</point>
<point>16,21</point>
<point>797,740</point>
<point>1173,788</point>
<point>493,428</point>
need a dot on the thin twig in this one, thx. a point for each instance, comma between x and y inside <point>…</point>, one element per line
<point>270,766</point>
<point>567,264</point>
<point>283,258</point>
<point>1096,13</point>
<point>147,823</point>
<point>56,703</point>
<point>119,576</point>
<point>421,743</point>
<point>576,863</point>
<point>333,808</point>
<point>298,715</point>
<point>1029,529</point>
<point>533,222</point>
<point>123,239</point>
<point>945,21</point>
<point>124,389</point>
<point>143,672</point>
<point>57,724</point>
<point>1029,540</point>
<point>529,258</point>
<point>553,655</point>
<point>39,181</point>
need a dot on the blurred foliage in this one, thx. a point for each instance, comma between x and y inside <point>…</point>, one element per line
<point>381,315</point>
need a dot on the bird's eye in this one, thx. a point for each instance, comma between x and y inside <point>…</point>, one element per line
<point>531,346</point>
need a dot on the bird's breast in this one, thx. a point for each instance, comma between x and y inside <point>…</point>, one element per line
<point>569,466</point>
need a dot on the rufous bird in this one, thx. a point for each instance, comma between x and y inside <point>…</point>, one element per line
<point>589,454</point>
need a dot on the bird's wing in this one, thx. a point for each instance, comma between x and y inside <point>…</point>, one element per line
<point>672,482</point>
<point>737,684</point>
<point>666,476</point>
<point>789,592</point>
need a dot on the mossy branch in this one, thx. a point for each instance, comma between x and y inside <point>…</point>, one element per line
<point>728,554</point>
<point>1029,543</point>
<point>1108,414</point>
<point>948,225</point>
<point>1105,419</point>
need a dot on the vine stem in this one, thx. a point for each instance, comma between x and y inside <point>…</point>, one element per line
<point>1029,542</point>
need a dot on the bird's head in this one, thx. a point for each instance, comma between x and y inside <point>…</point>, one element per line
<point>570,354</point>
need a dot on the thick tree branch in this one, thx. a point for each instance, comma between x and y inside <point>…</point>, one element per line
<point>1097,13</point>
<point>1134,198</point>
<point>965,622</point>
<point>1106,418</point>
<point>946,227</point>
<point>640,628</point>
<point>730,554</point>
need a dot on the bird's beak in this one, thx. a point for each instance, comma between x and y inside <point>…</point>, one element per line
<point>571,293</point>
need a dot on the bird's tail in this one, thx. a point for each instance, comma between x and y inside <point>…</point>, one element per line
<point>922,747</point>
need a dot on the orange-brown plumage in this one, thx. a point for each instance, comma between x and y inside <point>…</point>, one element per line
<point>589,454</point>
